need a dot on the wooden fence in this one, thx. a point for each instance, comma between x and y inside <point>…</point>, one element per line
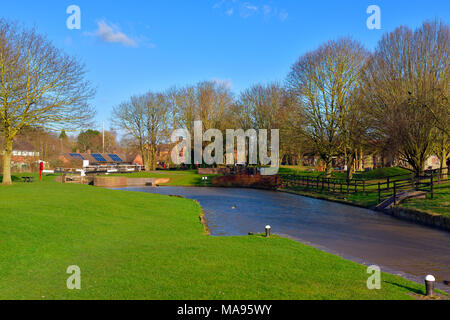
<point>383,188</point>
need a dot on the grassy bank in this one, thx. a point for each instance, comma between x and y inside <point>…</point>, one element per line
<point>357,199</point>
<point>177,178</point>
<point>145,246</point>
<point>440,204</point>
<point>381,173</point>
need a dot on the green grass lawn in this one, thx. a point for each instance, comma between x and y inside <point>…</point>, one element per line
<point>440,204</point>
<point>377,174</point>
<point>177,178</point>
<point>146,246</point>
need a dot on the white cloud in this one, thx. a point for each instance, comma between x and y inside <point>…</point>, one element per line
<point>224,82</point>
<point>248,9</point>
<point>283,15</point>
<point>111,33</point>
<point>267,10</point>
<point>218,4</point>
<point>229,12</point>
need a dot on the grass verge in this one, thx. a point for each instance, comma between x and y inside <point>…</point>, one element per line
<point>177,178</point>
<point>440,204</point>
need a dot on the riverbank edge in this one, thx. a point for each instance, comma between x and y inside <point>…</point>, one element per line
<point>421,217</point>
<point>325,198</point>
<point>203,220</point>
<point>201,217</point>
<point>417,216</point>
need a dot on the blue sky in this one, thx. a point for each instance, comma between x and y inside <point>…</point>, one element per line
<point>130,47</point>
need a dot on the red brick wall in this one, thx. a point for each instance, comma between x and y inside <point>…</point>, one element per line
<point>248,181</point>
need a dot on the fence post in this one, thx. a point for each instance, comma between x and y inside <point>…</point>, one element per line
<point>364,187</point>
<point>379,192</point>
<point>395,193</point>
<point>388,182</point>
<point>356,186</point>
<point>432,187</point>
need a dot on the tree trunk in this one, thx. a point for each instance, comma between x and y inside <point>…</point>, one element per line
<point>361,160</point>
<point>443,160</point>
<point>153,158</point>
<point>328,169</point>
<point>148,161</point>
<point>7,162</point>
<point>419,168</point>
<point>350,166</point>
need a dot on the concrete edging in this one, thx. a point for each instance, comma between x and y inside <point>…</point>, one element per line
<point>421,217</point>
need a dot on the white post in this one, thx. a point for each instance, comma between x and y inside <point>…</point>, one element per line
<point>429,285</point>
<point>103,130</point>
<point>268,228</point>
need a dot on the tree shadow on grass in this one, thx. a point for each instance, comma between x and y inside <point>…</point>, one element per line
<point>416,291</point>
<point>13,178</point>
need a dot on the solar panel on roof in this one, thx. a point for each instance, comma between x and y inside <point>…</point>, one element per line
<point>115,157</point>
<point>98,157</point>
<point>76,155</point>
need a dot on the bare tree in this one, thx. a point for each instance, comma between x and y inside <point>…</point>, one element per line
<point>144,118</point>
<point>39,86</point>
<point>212,102</point>
<point>441,148</point>
<point>408,83</point>
<point>130,117</point>
<point>324,82</point>
<point>156,124</point>
<point>269,107</point>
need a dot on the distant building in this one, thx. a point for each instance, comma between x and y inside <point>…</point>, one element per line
<point>433,163</point>
<point>92,159</point>
<point>24,157</point>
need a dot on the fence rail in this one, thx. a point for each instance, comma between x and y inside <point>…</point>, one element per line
<point>384,188</point>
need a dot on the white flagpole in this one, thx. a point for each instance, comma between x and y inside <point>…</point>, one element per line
<point>103,130</point>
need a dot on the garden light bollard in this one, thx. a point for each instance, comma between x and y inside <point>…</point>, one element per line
<point>429,285</point>
<point>268,228</point>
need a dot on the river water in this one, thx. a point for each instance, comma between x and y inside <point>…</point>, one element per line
<point>361,235</point>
